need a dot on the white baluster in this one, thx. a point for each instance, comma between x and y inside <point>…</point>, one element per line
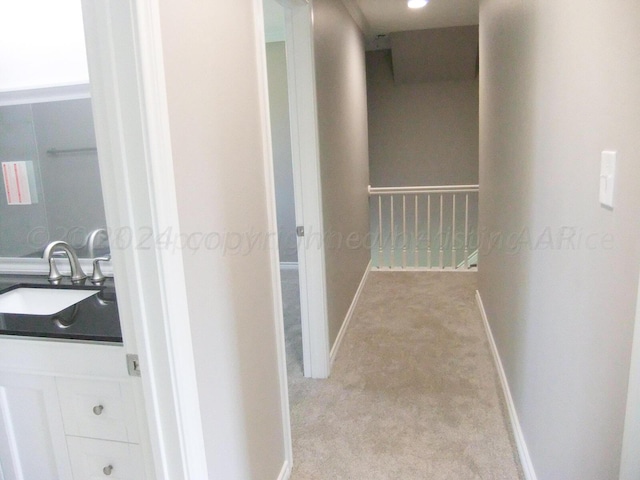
<point>416,259</point>
<point>380,258</point>
<point>404,231</point>
<point>393,238</point>
<point>429,262</point>
<point>441,256</point>
<point>466,232</point>
<point>453,234</point>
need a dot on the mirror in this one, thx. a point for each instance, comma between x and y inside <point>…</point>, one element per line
<point>50,179</point>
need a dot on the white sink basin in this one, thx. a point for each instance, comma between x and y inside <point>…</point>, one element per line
<point>41,301</point>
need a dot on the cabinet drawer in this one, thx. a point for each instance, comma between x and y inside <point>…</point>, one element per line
<point>98,409</point>
<point>104,460</point>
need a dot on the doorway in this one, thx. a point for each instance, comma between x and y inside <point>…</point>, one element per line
<point>284,184</point>
<point>291,28</point>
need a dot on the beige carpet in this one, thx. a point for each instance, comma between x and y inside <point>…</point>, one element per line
<point>413,393</point>
<point>292,328</point>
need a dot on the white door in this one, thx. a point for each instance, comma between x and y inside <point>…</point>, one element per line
<point>307,187</point>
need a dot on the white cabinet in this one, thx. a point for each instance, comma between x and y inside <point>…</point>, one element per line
<point>32,438</point>
<point>69,411</point>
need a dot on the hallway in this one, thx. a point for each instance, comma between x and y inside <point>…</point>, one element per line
<point>414,393</point>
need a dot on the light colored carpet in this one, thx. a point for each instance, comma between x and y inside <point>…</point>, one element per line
<point>292,327</point>
<point>413,393</point>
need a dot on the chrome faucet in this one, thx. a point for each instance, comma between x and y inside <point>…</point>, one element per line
<point>91,240</point>
<point>77,275</point>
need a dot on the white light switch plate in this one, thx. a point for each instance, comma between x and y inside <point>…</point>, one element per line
<point>607,177</point>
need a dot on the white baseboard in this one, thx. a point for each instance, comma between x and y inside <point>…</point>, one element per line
<point>285,472</point>
<point>288,265</point>
<point>523,451</point>
<point>347,318</point>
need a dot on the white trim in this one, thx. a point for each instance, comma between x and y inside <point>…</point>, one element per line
<point>349,315</point>
<point>305,152</point>
<point>285,472</point>
<point>129,101</point>
<point>630,458</point>
<point>44,94</point>
<point>288,265</point>
<point>274,257</point>
<point>170,345</point>
<point>523,451</point>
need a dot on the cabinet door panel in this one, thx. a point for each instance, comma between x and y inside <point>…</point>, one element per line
<point>32,442</point>
<point>101,459</point>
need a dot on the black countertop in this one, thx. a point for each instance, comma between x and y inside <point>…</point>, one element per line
<point>93,319</point>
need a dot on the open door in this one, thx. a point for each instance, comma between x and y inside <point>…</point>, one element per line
<point>307,188</point>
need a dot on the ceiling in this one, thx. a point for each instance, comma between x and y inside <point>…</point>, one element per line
<point>386,16</point>
<point>382,17</point>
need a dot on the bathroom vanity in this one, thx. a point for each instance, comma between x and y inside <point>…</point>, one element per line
<point>71,406</point>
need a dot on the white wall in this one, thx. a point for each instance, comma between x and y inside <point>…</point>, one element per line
<point>559,84</point>
<point>212,62</point>
<point>344,156</point>
<point>281,144</point>
<point>420,133</point>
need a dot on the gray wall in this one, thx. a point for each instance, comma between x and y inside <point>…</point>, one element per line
<point>344,157</point>
<point>421,133</point>
<point>17,143</point>
<point>558,85</point>
<point>71,183</point>
<point>212,62</point>
<point>281,141</point>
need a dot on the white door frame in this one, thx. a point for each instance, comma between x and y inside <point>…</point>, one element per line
<point>630,460</point>
<point>307,186</point>
<point>136,167</point>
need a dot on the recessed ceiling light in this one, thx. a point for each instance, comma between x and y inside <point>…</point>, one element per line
<point>416,3</point>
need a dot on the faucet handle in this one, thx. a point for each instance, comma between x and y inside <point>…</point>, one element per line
<point>54,274</point>
<point>98,277</point>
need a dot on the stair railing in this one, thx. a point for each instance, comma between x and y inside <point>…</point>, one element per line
<point>424,227</point>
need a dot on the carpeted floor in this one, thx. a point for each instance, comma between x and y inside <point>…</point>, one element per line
<point>292,328</point>
<point>413,394</point>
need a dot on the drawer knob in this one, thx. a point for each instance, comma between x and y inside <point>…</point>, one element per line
<point>98,410</point>
<point>107,470</point>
